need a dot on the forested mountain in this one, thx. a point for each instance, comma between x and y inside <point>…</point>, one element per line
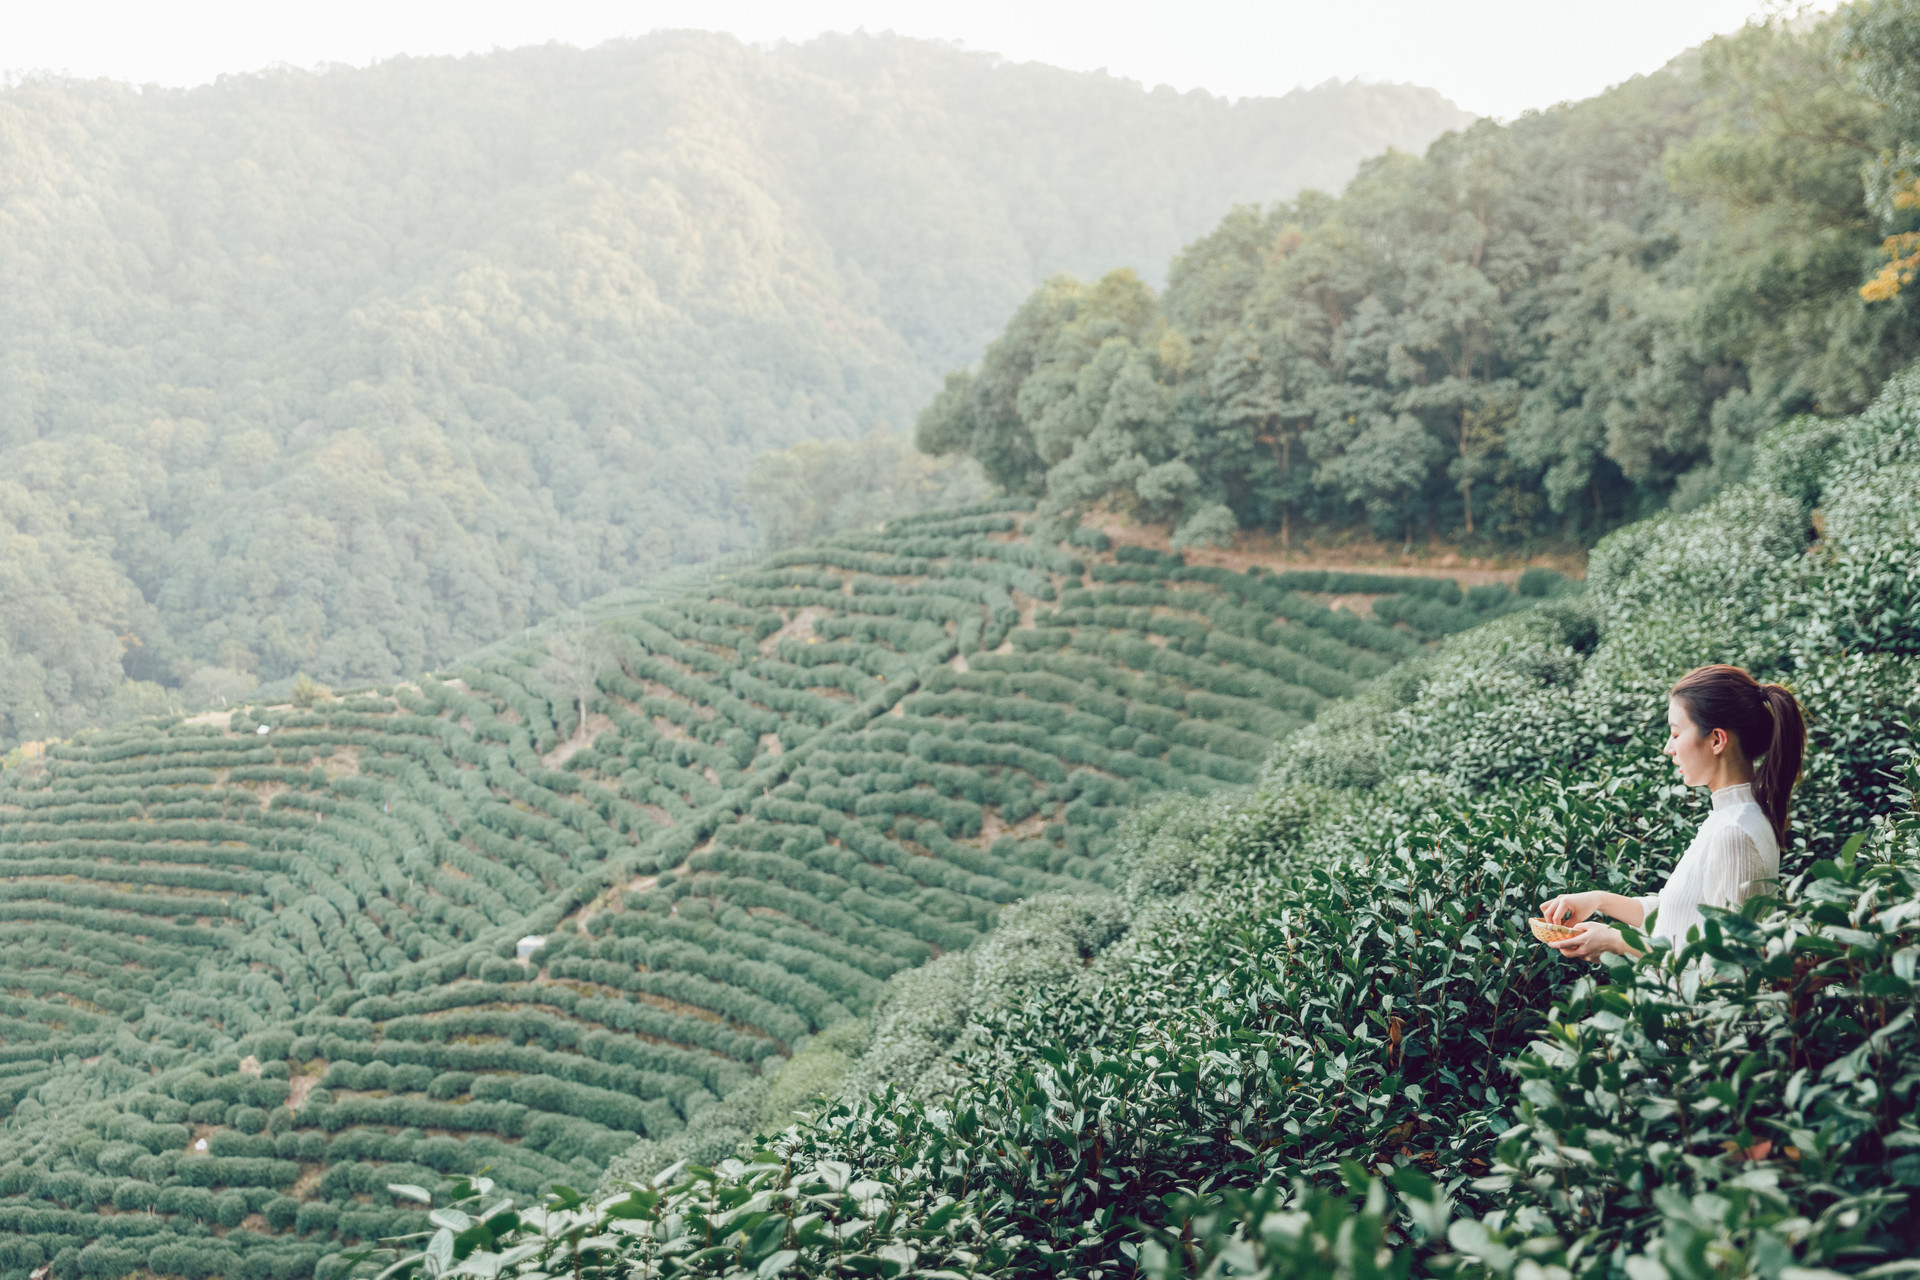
<point>1538,329</point>
<point>346,372</point>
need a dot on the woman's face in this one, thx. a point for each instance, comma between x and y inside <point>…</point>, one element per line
<point>1690,749</point>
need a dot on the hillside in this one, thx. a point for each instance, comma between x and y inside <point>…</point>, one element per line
<point>291,933</point>
<point>1532,334</point>
<point>350,372</point>
<point>1310,1035</point>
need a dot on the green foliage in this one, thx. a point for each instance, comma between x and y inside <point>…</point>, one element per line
<point>1544,329</point>
<point>736,1221</point>
<point>307,691</point>
<point>815,488</point>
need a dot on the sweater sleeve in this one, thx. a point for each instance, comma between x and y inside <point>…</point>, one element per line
<point>1648,905</point>
<point>1733,866</point>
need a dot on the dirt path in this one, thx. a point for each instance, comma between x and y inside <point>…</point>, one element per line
<point>798,627</point>
<point>1262,548</point>
<point>597,724</point>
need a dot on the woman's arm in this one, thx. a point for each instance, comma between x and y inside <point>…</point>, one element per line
<point>1594,939</point>
<point>1571,908</point>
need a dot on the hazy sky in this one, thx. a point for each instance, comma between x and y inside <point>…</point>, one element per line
<point>1498,57</point>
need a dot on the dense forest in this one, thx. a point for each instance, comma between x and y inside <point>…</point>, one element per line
<point>347,372</point>
<point>1535,330</point>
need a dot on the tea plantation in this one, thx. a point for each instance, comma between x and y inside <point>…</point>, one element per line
<point>1314,1038</point>
<point>260,967</point>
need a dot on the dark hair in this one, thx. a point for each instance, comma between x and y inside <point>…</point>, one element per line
<point>1767,721</point>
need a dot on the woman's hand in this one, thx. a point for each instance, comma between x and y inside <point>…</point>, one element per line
<point>1593,941</point>
<point>1570,908</point>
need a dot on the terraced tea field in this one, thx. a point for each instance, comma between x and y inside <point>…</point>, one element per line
<point>259,967</point>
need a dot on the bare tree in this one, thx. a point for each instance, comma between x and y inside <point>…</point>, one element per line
<point>578,654</point>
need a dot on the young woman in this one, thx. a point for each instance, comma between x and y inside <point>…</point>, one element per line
<point>1720,720</point>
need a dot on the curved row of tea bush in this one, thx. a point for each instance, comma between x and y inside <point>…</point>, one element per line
<point>293,933</point>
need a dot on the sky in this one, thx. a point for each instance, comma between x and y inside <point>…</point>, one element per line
<point>1494,57</point>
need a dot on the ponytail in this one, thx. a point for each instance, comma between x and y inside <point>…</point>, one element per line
<point>1765,718</point>
<point>1779,768</point>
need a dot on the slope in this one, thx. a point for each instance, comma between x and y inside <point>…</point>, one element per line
<point>1535,332</point>
<point>1326,1043</point>
<point>261,966</point>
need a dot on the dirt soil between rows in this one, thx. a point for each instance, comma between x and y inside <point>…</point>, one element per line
<point>1428,559</point>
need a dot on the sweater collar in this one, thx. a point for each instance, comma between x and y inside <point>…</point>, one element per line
<point>1738,793</point>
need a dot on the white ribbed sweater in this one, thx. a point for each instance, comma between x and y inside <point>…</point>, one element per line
<point>1733,855</point>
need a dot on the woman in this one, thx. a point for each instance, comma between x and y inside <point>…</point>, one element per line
<point>1719,721</point>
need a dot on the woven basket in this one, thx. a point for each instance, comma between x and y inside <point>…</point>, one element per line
<point>1547,931</point>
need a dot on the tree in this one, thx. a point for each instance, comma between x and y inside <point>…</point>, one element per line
<point>1449,351</point>
<point>1782,229</point>
<point>307,691</point>
<point>1382,467</point>
<point>980,414</point>
<point>1903,254</point>
<point>818,487</point>
<point>578,654</point>
<point>1881,43</point>
<point>1251,417</point>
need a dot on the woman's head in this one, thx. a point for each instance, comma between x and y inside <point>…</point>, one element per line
<point>1721,714</point>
